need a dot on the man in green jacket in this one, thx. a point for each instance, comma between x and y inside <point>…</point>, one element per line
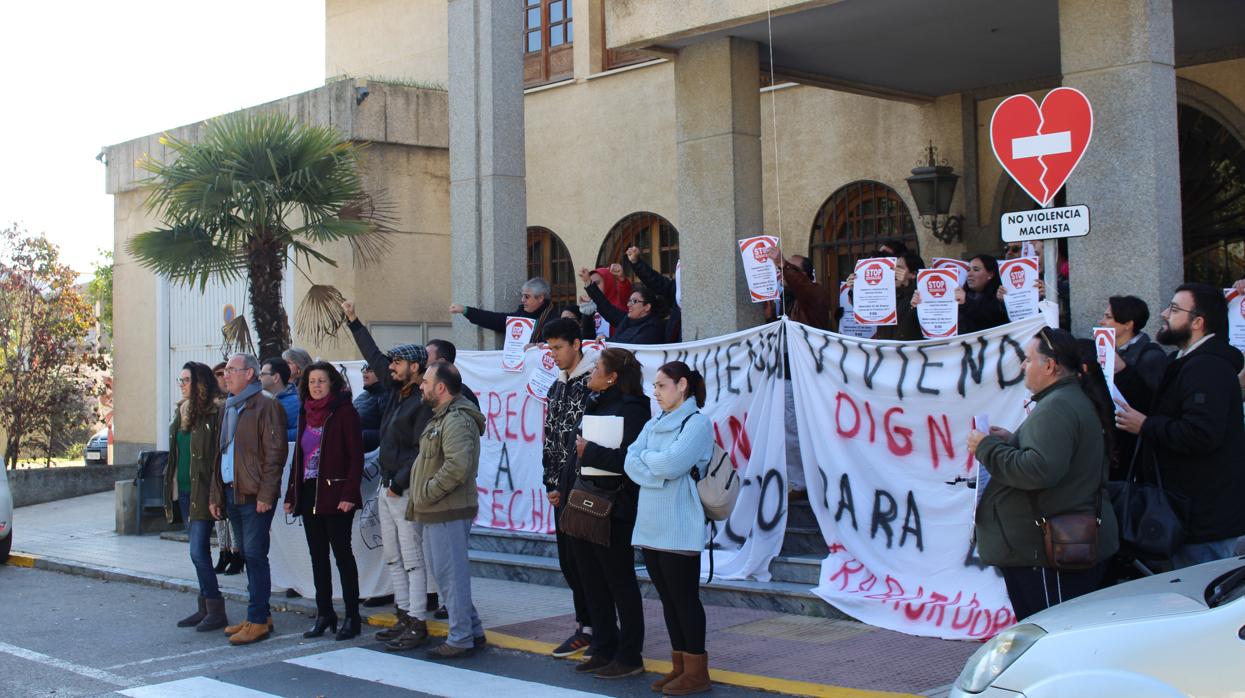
<point>443,501</point>
<point>1054,464</point>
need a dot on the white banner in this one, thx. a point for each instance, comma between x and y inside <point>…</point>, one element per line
<point>882,428</point>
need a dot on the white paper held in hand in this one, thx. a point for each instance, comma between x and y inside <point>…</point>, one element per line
<point>603,430</point>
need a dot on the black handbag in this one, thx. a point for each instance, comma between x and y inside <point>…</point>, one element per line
<point>1152,522</point>
<point>586,515</point>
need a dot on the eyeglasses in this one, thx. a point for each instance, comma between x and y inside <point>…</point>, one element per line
<point>268,374</point>
<point>1173,308</point>
<point>234,369</point>
<point>635,301</point>
<point>1046,340</point>
<point>183,381</point>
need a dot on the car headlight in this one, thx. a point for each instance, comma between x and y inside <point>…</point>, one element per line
<point>993,658</point>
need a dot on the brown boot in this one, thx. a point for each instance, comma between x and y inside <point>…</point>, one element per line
<point>193,619</point>
<point>415,635</point>
<point>397,629</point>
<point>695,678</point>
<point>234,629</point>
<point>215,618</point>
<point>676,658</point>
<point>250,632</point>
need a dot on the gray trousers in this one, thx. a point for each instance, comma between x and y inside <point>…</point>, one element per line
<point>446,544</point>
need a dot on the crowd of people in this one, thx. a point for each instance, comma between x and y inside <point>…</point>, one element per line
<point>1175,418</point>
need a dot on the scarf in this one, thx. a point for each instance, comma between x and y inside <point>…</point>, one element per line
<point>233,408</point>
<point>183,413</point>
<point>317,411</point>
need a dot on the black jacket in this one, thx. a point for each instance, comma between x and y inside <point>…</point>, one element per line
<point>402,419</point>
<point>647,330</point>
<point>369,404</point>
<point>635,412</point>
<point>564,406</point>
<point>1194,432</point>
<point>1146,358</point>
<point>665,288</point>
<point>981,311</point>
<point>495,321</point>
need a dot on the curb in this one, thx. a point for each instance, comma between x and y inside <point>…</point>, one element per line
<point>439,628</point>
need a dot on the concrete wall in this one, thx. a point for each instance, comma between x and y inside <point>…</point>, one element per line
<point>637,23</point>
<point>398,39</point>
<point>407,159</point>
<point>39,485</point>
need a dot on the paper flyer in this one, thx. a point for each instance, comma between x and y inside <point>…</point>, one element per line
<point>1236,318</point>
<point>938,311</point>
<point>959,266</point>
<point>1104,347</point>
<point>1019,278</point>
<point>759,270</point>
<point>543,376</point>
<point>848,324</point>
<point>982,424</point>
<point>518,334</point>
<point>603,430</point>
<point>873,295</point>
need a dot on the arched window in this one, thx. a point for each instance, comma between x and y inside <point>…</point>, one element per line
<point>657,239</point>
<point>852,223</point>
<point>547,258</point>
<point>1212,198</point>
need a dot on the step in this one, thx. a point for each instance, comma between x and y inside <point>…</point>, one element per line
<point>803,541</point>
<point>780,597</point>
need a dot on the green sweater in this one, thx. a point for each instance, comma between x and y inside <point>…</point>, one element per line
<point>1058,453</point>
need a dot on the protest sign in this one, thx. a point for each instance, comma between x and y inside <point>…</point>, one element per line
<point>1039,146</point>
<point>873,295</point>
<point>1019,279</point>
<point>544,373</point>
<point>518,334</point>
<point>1236,318</point>
<point>882,429</point>
<point>847,323</point>
<point>1104,347</point>
<point>959,266</point>
<point>759,270</point>
<point>938,311</point>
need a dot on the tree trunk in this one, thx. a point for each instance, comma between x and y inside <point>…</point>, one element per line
<point>265,272</point>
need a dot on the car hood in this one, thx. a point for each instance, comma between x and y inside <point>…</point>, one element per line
<point>1167,594</point>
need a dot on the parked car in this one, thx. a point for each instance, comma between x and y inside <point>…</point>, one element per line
<point>1180,633</point>
<point>6,515</point>
<point>97,448</point>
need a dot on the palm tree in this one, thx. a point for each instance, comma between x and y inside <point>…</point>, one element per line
<point>255,191</point>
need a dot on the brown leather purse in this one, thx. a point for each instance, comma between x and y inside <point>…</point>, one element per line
<point>1071,539</point>
<point>586,515</point>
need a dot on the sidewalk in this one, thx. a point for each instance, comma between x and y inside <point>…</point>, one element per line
<point>790,654</point>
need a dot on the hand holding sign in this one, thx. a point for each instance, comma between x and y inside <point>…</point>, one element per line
<point>518,333</point>
<point>1018,278</point>
<point>874,291</point>
<point>936,309</point>
<point>759,269</point>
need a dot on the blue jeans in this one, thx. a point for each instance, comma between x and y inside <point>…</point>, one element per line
<point>256,535</point>
<point>1191,554</point>
<point>200,550</point>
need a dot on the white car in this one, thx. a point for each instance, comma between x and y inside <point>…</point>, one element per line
<point>6,516</point>
<point>1172,635</point>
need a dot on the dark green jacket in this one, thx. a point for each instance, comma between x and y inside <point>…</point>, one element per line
<point>204,443</point>
<point>1058,453</point>
<point>443,480</point>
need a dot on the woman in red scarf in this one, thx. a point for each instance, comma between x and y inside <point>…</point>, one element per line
<point>615,286</point>
<point>324,490</point>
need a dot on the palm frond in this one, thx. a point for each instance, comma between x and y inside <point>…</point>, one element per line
<point>320,314</point>
<point>185,253</point>
<point>237,337</point>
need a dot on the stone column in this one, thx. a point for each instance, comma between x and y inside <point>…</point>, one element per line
<point>1120,54</point>
<point>488,197</point>
<point>718,117</point>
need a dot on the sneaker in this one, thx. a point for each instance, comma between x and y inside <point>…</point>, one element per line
<point>592,665</point>
<point>393,632</point>
<point>447,651</point>
<point>574,644</point>
<point>442,613</point>
<point>617,670</point>
<point>479,642</point>
<point>416,634</point>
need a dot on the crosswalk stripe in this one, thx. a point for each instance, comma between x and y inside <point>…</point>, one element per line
<point>195,687</point>
<point>428,677</point>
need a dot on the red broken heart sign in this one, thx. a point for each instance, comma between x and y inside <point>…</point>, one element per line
<point>1040,146</point>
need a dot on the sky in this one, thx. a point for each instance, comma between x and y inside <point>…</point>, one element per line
<point>83,74</point>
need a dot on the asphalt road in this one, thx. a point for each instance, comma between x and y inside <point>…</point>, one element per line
<point>64,635</point>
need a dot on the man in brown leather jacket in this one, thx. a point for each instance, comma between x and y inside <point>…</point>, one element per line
<point>246,480</point>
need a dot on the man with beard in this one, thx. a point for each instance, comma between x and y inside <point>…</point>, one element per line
<point>1194,427</point>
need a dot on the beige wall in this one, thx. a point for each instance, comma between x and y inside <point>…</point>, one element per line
<point>134,338</point>
<point>637,23</point>
<point>399,39</point>
<point>1226,77</point>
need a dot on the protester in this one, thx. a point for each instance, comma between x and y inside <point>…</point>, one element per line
<point>443,501</point>
<point>369,404</point>
<point>1128,316</point>
<point>297,360</point>
<point>907,327</point>
<point>564,406</point>
<point>274,376</point>
<point>1193,428</point>
<point>670,522</point>
<point>323,490</point>
<point>616,287</point>
<point>608,571</point>
<point>1055,464</point>
<point>188,484</point>
<point>892,248</point>
<point>980,308</point>
<point>246,481</point>
<point>444,350</point>
<point>228,533</point>
<point>587,323</point>
<point>640,324</point>
<point>402,422</point>
<point>806,301</point>
<point>665,290</point>
<point>536,304</point>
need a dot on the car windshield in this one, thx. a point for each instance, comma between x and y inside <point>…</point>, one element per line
<point>1226,588</point>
